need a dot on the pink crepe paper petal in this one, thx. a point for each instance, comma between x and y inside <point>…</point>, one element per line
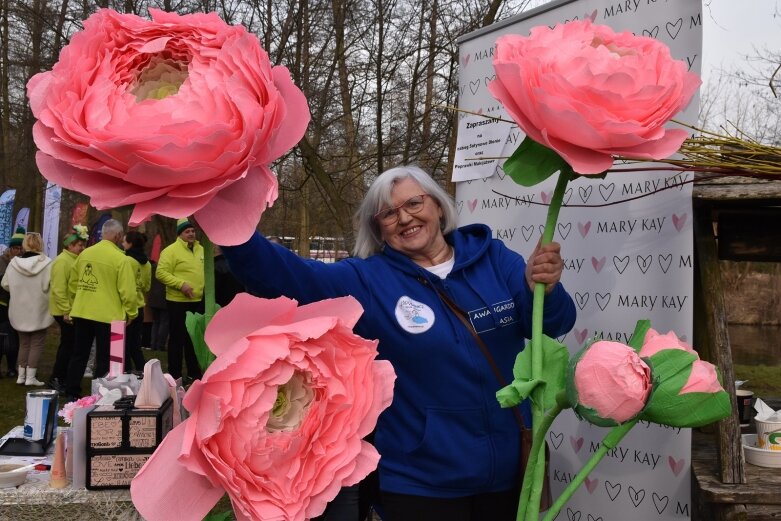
<point>163,489</point>
<point>232,215</point>
<point>244,315</point>
<point>703,379</point>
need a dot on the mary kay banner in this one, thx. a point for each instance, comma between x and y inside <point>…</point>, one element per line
<point>627,247</point>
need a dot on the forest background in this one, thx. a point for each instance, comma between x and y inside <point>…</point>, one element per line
<point>377,75</point>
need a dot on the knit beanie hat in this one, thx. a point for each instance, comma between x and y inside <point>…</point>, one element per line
<point>182,224</point>
<point>80,233</point>
<point>17,237</point>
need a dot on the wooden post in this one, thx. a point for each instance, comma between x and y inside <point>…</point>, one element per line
<point>711,331</point>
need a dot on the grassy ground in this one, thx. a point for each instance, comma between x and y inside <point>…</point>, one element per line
<point>12,396</point>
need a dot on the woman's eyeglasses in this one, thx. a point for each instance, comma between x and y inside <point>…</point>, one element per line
<point>390,216</point>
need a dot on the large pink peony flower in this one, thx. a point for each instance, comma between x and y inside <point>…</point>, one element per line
<point>703,377</point>
<point>277,421</point>
<point>589,93</point>
<point>609,383</point>
<point>178,116</point>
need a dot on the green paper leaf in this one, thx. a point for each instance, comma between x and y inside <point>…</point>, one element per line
<point>532,163</point>
<point>555,359</point>
<point>196,328</point>
<point>670,370</point>
<point>641,329</point>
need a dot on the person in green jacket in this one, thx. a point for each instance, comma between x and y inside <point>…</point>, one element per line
<point>180,269</point>
<point>134,249</point>
<point>60,302</point>
<point>103,289</point>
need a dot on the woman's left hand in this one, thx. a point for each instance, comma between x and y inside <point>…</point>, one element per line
<point>545,266</point>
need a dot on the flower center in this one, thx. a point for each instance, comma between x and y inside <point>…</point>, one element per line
<point>613,48</point>
<point>292,404</point>
<point>161,78</point>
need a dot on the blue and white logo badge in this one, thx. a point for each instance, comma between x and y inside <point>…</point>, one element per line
<point>413,316</point>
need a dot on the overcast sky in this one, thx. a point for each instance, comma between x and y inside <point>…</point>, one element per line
<point>733,28</point>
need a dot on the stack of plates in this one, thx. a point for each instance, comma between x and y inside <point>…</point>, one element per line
<point>757,456</point>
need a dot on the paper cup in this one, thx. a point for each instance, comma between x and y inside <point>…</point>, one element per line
<point>745,401</point>
<point>768,434</point>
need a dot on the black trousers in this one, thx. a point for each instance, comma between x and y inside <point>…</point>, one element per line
<point>496,506</point>
<point>64,350</point>
<point>133,354</point>
<point>179,342</point>
<point>86,332</point>
<point>10,342</point>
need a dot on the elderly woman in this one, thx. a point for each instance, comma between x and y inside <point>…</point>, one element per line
<point>27,279</point>
<point>448,451</point>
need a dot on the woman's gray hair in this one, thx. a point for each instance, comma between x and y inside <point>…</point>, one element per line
<point>368,239</point>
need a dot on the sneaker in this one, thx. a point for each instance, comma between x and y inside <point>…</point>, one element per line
<point>55,384</point>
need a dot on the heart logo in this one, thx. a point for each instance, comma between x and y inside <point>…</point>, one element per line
<point>620,263</point>
<point>459,207</point>
<point>581,299</point>
<point>591,484</point>
<point>581,335</point>
<point>592,518</point>
<point>676,465</point>
<point>573,515</point>
<point>567,195</point>
<point>474,86</point>
<point>556,439</point>
<point>577,443</point>
<point>644,262</point>
<point>652,33</point>
<point>527,232</point>
<point>674,28</point>
<point>564,230</point>
<point>603,300</point>
<point>606,191</point>
<point>660,502</point>
<point>584,228</point>
<point>500,172</point>
<point>665,261</point>
<point>472,205</point>
<point>545,197</point>
<point>489,79</point>
<point>612,490</point>
<point>598,263</point>
<point>679,222</point>
<point>592,16</point>
<point>465,60</point>
<point>585,193</point>
<point>636,496</point>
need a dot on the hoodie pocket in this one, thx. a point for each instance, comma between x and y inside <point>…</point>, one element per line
<point>455,450</point>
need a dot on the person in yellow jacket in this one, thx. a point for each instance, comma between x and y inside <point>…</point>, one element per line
<point>134,249</point>
<point>180,269</point>
<point>103,289</point>
<point>60,302</point>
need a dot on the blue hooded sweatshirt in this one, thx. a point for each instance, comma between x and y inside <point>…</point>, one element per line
<point>445,434</point>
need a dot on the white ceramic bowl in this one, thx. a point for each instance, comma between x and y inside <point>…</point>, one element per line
<point>760,457</point>
<point>11,479</point>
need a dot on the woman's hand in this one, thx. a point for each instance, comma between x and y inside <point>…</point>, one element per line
<point>544,265</point>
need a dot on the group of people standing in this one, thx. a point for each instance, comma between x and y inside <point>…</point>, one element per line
<point>86,289</point>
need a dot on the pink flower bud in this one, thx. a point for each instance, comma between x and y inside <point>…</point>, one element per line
<point>655,342</point>
<point>610,383</point>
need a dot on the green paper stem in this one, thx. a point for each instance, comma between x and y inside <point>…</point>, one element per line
<point>538,447</point>
<point>533,506</point>
<point>210,304</point>
<point>610,441</point>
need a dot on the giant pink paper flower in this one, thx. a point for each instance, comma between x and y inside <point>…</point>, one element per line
<point>589,93</point>
<point>178,116</point>
<point>703,377</point>
<point>278,419</point>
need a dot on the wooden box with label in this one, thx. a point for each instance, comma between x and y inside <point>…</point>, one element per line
<point>119,441</point>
